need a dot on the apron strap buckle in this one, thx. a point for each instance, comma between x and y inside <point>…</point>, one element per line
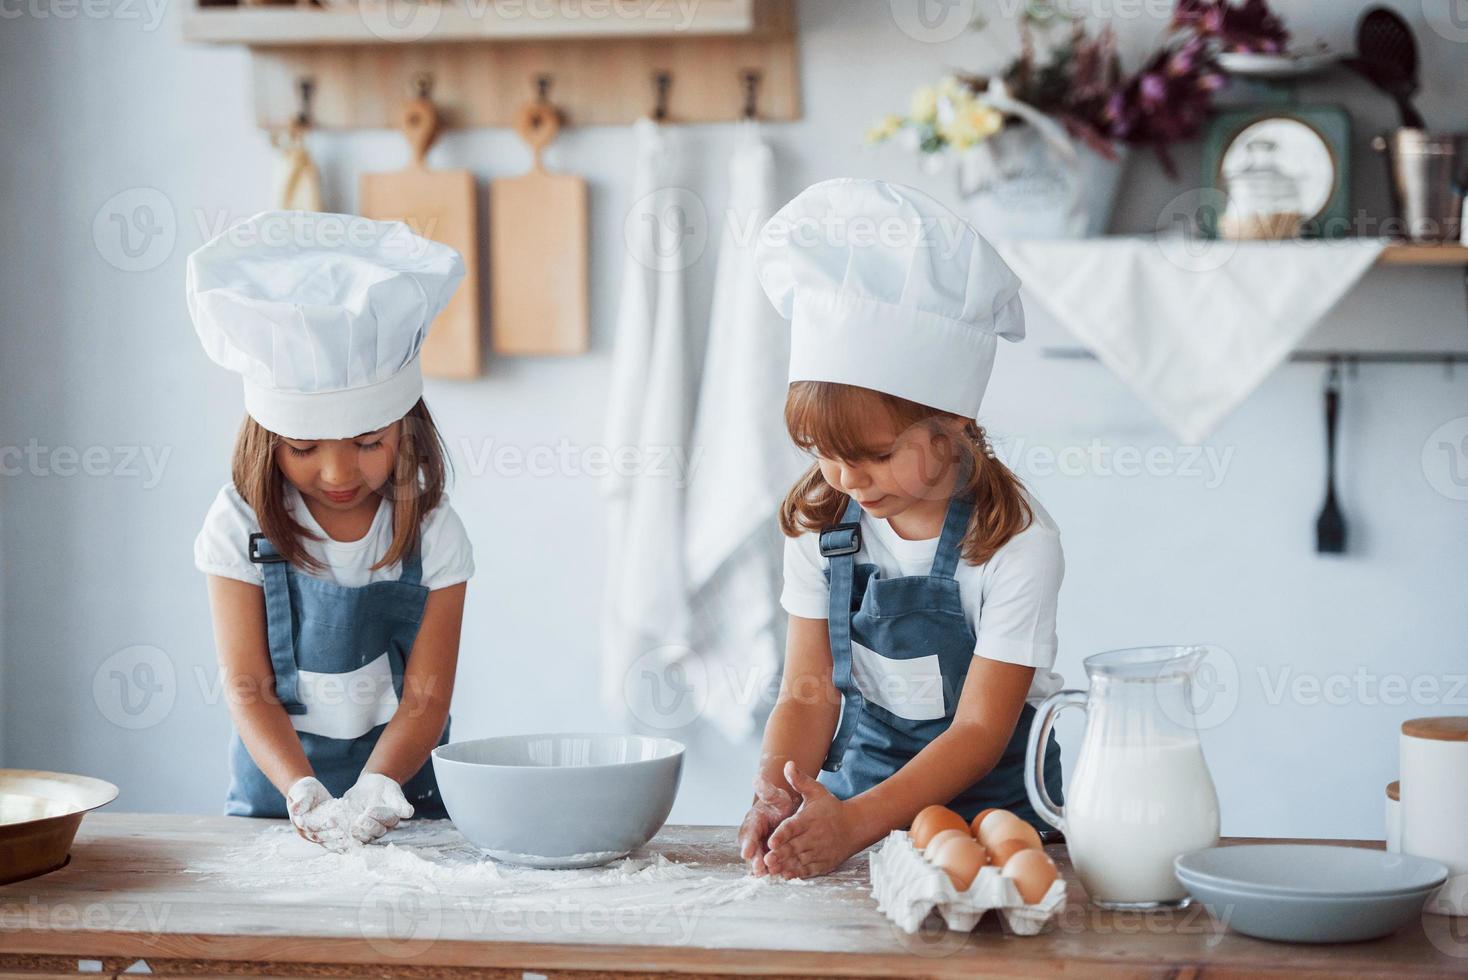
<point>259,555</point>
<point>840,539</point>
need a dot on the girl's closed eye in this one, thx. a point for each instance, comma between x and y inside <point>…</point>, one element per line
<point>370,445</point>
<point>300,450</point>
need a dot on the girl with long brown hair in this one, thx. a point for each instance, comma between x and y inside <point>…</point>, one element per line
<point>920,577</point>
<point>336,567</point>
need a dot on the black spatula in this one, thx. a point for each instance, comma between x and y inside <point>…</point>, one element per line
<point>1386,54</point>
<point>1330,526</point>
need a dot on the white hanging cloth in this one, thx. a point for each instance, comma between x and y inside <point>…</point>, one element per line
<point>745,463</point>
<point>1193,327</point>
<point>632,343</point>
<point>648,417</point>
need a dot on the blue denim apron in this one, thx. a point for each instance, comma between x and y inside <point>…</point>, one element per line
<point>900,650</point>
<point>327,629</point>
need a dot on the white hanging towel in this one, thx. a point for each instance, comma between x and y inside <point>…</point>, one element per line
<point>744,464</point>
<point>632,345</point>
<point>1193,327</point>
<point>648,417</point>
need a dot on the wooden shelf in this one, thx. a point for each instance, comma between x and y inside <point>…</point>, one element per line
<point>483,58</point>
<point>1400,253</point>
<point>439,21</point>
<point>1429,255</point>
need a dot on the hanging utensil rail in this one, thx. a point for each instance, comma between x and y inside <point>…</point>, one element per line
<point>1348,358</point>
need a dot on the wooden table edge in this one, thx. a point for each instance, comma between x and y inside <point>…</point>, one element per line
<point>286,951</point>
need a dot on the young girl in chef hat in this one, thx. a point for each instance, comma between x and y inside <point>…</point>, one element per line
<point>336,567</point>
<point>920,577</point>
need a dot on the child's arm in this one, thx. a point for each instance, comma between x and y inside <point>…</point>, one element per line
<point>799,730</point>
<point>238,609</point>
<point>264,727</point>
<point>418,722</point>
<point>827,831</point>
<point>428,685</point>
<point>803,721</point>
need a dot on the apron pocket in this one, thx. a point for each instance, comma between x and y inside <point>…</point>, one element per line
<point>346,705</point>
<point>910,688</point>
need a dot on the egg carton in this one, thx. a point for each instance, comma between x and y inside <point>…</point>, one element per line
<point>908,888</point>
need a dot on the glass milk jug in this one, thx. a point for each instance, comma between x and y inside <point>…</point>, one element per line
<point>1141,793</point>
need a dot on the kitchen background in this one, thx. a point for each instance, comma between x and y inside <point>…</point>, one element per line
<point>1328,653</point>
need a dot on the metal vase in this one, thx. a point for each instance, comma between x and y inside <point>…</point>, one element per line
<point>1428,174</point>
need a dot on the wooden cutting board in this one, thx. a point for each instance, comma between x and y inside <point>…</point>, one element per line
<point>537,251</point>
<point>437,204</point>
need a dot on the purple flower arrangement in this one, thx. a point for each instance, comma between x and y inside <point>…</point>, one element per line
<point>1167,101</point>
<point>1236,27</point>
<point>1080,82</point>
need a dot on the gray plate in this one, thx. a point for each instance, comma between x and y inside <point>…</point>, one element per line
<point>1250,65</point>
<point>1309,892</point>
<point>1312,869</point>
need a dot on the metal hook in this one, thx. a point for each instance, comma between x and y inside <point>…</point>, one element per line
<point>751,79</point>
<point>305,86</point>
<point>542,88</point>
<point>423,84</point>
<point>663,81</point>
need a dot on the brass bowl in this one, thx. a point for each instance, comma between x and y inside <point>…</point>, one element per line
<point>39,816</point>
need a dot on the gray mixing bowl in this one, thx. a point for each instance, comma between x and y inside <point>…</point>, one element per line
<point>559,800</point>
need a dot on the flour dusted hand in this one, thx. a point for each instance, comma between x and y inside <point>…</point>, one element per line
<point>378,804</point>
<point>317,815</point>
<point>820,835</point>
<point>771,806</point>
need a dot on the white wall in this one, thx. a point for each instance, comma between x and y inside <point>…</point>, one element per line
<point>92,356</point>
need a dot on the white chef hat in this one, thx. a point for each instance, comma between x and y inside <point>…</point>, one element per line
<point>323,315</point>
<point>888,289</point>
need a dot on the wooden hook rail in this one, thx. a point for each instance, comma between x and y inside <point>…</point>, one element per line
<point>737,59</point>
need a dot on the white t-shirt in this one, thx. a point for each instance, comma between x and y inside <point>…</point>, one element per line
<point>222,547</point>
<point>1009,601</point>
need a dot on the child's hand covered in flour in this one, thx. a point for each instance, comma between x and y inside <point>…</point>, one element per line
<point>818,837</point>
<point>772,805</point>
<point>378,805</point>
<point>316,814</point>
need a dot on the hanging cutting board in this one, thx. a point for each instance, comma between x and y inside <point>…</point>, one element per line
<point>437,204</point>
<point>537,250</point>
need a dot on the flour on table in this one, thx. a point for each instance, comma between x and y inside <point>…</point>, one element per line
<point>431,855</point>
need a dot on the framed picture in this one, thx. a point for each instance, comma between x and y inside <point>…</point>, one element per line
<point>1283,169</point>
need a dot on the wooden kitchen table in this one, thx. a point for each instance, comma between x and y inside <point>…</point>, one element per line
<point>134,889</point>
